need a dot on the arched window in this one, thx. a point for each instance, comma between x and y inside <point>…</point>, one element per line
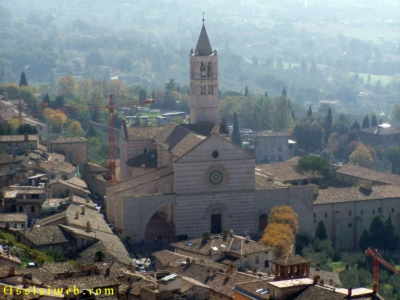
<point>203,69</point>
<point>209,69</point>
<point>262,222</point>
<point>203,89</point>
<point>216,220</point>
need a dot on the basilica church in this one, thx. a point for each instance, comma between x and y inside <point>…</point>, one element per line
<point>186,179</point>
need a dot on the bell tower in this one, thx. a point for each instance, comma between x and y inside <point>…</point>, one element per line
<point>203,82</point>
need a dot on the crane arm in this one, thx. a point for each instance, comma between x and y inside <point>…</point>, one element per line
<point>386,264</point>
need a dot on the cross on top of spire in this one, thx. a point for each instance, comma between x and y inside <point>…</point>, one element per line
<point>203,17</point>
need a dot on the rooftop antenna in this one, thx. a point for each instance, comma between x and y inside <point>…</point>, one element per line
<point>203,17</point>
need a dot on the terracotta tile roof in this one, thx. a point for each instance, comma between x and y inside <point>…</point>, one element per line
<point>290,260</point>
<point>251,288</point>
<point>18,138</point>
<point>357,194</point>
<point>78,182</point>
<point>94,168</point>
<point>218,282</point>
<point>57,181</point>
<point>148,161</point>
<point>326,276</point>
<point>93,216</point>
<point>133,288</point>
<point>187,143</point>
<point>170,137</point>
<point>264,182</point>
<point>171,260</point>
<point>13,259</point>
<point>55,157</point>
<point>145,133</point>
<point>13,191</point>
<point>381,130</point>
<point>86,256</point>
<point>7,159</point>
<point>271,133</point>
<point>45,235</point>
<point>230,245</point>
<point>83,201</point>
<point>62,166</point>
<point>49,271</point>
<point>207,129</point>
<point>317,292</point>
<point>60,217</point>
<point>283,171</point>
<point>86,282</point>
<point>54,202</point>
<point>13,217</point>
<point>112,244</point>
<point>369,174</point>
<point>66,140</point>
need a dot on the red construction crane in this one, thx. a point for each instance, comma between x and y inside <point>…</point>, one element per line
<point>111,138</point>
<point>378,260</point>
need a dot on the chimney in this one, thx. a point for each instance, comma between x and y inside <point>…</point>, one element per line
<point>349,291</point>
<point>83,209</point>
<point>322,283</point>
<point>70,197</point>
<point>228,272</point>
<point>315,280</point>
<point>87,199</point>
<point>208,272</point>
<point>88,226</point>
<point>187,261</point>
<point>26,137</point>
<point>76,215</point>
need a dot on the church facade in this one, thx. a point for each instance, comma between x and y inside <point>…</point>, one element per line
<point>186,179</point>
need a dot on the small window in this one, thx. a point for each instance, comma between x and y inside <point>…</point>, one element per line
<point>266,264</point>
<point>257,261</point>
<point>350,225</point>
<point>326,215</point>
<point>15,225</point>
<point>20,208</point>
<point>315,215</point>
<point>379,210</point>
<point>373,211</point>
<point>33,209</point>
<point>392,210</point>
<point>350,213</point>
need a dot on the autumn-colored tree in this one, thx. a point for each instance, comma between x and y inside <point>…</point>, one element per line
<point>74,128</point>
<point>56,118</point>
<point>281,230</point>
<point>85,87</point>
<point>66,86</point>
<point>13,123</point>
<point>278,236</point>
<point>117,88</point>
<point>361,157</point>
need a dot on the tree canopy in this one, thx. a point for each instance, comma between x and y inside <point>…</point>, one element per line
<point>313,166</point>
<point>361,157</point>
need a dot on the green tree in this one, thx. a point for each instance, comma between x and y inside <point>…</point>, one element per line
<point>390,236</point>
<point>22,80</point>
<point>328,125</point>
<point>309,136</point>
<point>361,157</point>
<point>91,131</point>
<point>392,153</point>
<point>142,95</point>
<point>320,232</point>
<point>309,113</point>
<point>99,255</point>
<point>46,100</point>
<point>74,128</point>
<point>365,240</point>
<point>313,166</point>
<point>374,122</point>
<point>355,125</point>
<point>365,123</point>
<point>235,138</point>
<point>66,87</point>
<point>376,232</point>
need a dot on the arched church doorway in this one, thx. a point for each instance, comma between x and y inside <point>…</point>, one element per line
<point>262,222</point>
<point>216,220</point>
<point>161,226</point>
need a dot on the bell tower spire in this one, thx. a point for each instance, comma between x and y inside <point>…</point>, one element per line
<point>203,81</point>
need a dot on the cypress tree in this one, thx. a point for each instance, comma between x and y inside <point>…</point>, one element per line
<point>328,124</point>
<point>235,138</point>
<point>309,113</point>
<point>266,94</point>
<point>142,95</point>
<point>293,116</point>
<point>46,99</point>
<point>320,232</point>
<point>246,91</point>
<point>355,125</point>
<point>365,123</point>
<point>22,80</point>
<point>284,93</point>
<point>374,122</point>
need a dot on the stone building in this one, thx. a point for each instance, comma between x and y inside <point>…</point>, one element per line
<point>271,146</point>
<point>347,212</point>
<point>186,179</point>
<point>383,134</point>
<point>73,148</point>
